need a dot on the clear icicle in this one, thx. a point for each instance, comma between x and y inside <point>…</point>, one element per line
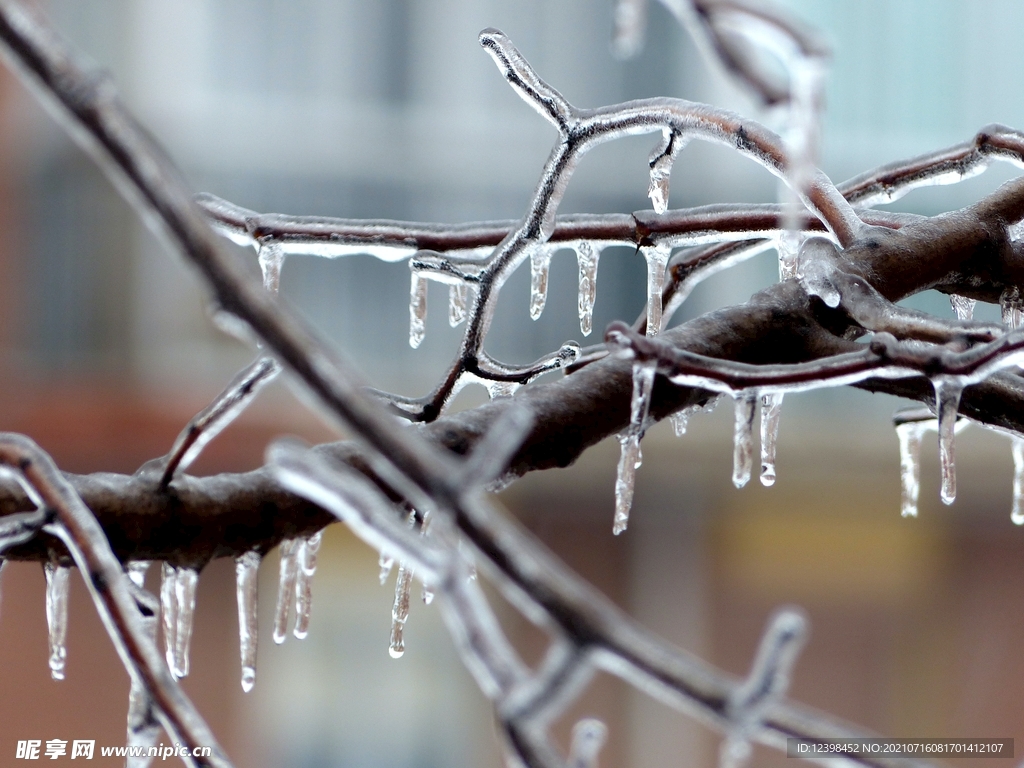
<point>169,610</point>
<point>306,568</point>
<point>458,294</point>
<point>962,306</point>
<point>680,421</point>
<point>743,438</point>
<point>771,410</point>
<point>57,583</point>
<point>587,257</point>
<point>417,310</point>
<point>788,246</point>
<point>630,456</point>
<point>1017,513</point>
<point>386,563</point>
<point>246,577</point>
<point>661,171</point>
<point>285,588</point>
<point>657,262</point>
<point>1011,308</point>
<point>540,266</point>
<point>588,736</point>
<point>496,389</point>
<point>143,728</point>
<point>185,599</point>
<point>271,259</point>
<point>910,436</point>
<point>400,611</point>
<point>947,402</point>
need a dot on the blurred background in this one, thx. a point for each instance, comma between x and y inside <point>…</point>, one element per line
<point>390,109</point>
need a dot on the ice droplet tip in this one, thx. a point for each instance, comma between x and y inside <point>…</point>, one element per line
<point>396,653</point>
<point>248,678</point>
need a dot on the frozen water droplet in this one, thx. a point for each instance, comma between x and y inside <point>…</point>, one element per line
<point>947,402</point>
<point>816,265</point>
<point>386,564</point>
<point>57,583</point>
<point>169,610</point>
<point>246,578</point>
<point>306,559</point>
<point>428,595</point>
<point>771,410</point>
<point>288,550</point>
<point>1017,513</point>
<point>136,571</point>
<point>743,438</point>
<point>788,246</point>
<point>680,420</point>
<point>587,257</point>
<point>540,266</point>
<point>588,736</point>
<point>498,389</point>
<point>630,456</point>
<point>962,306</point>
<point>417,310</point>
<point>271,259</point>
<point>457,297</point>
<point>1011,308</point>
<point>400,611</point>
<point>185,599</point>
<point>657,262</point>
<point>910,435</point>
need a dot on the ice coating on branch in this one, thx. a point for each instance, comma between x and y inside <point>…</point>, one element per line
<point>287,575</point>
<point>386,563</point>
<point>185,600</point>
<point>588,736</point>
<point>1017,512</point>
<point>1011,307</point>
<point>458,294</point>
<point>143,729</point>
<point>497,389</point>
<point>661,168</point>
<point>57,584</point>
<point>306,562</point>
<point>630,456</point>
<point>271,258</point>
<point>947,403</point>
<point>246,576</point>
<point>540,267</point>
<point>962,306</point>
<point>657,261</point>
<point>767,683</point>
<point>417,309</point>
<point>771,411</point>
<point>910,435</point>
<point>587,257</point>
<point>743,438</point>
<point>400,611</point>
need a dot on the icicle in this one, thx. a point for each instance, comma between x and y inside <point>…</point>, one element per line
<point>588,736</point>
<point>400,611</point>
<point>169,610</point>
<point>386,564</point>
<point>417,310</point>
<point>680,420</point>
<point>306,562</point>
<point>57,616</point>
<point>246,576</point>
<point>1011,308</point>
<point>271,259</point>
<point>136,571</point>
<point>630,457</point>
<point>788,245</point>
<point>771,410</point>
<point>657,262</point>
<point>498,389</point>
<point>962,306</point>
<point>185,599</point>
<point>743,438</point>
<point>457,296</point>
<point>947,402</point>
<point>587,257</point>
<point>1017,514</point>
<point>540,266</point>
<point>910,435</point>
<point>285,588</point>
